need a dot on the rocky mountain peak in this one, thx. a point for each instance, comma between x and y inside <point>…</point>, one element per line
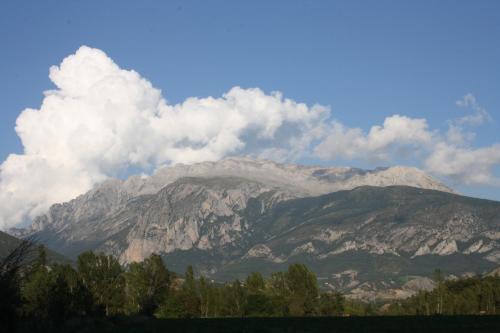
<point>303,180</point>
<point>228,216</point>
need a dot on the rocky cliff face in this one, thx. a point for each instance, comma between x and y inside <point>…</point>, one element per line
<point>239,215</point>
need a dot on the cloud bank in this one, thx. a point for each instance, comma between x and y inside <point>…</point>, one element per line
<point>101,120</point>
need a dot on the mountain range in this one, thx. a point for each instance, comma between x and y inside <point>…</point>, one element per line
<point>369,233</point>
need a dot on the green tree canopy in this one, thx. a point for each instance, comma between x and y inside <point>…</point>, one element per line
<point>147,284</point>
<point>103,276</point>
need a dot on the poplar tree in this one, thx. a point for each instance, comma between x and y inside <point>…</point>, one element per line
<point>103,276</point>
<point>147,284</point>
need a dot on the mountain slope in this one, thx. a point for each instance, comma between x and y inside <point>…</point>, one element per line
<point>382,232</point>
<point>359,240</point>
<point>295,180</point>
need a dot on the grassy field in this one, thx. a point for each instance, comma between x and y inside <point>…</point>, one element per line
<point>441,324</point>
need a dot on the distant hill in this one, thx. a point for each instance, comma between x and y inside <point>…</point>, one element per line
<point>9,243</point>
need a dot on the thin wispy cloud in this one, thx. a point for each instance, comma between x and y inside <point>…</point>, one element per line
<point>479,115</point>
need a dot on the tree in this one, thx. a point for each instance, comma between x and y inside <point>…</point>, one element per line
<point>147,285</point>
<point>255,283</point>
<point>80,299</point>
<point>487,296</point>
<point>39,284</point>
<point>440,290</point>
<point>183,302</point>
<point>52,293</point>
<point>331,304</point>
<point>258,304</point>
<point>205,296</point>
<point>477,295</point>
<point>49,295</point>
<point>41,259</point>
<point>233,299</point>
<point>279,292</point>
<point>303,290</point>
<point>189,295</point>
<point>36,293</point>
<point>10,280</point>
<point>172,307</point>
<point>103,276</point>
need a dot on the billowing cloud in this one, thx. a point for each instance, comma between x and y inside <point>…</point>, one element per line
<point>454,157</point>
<point>398,133</point>
<point>102,119</point>
<point>465,165</point>
<point>449,155</point>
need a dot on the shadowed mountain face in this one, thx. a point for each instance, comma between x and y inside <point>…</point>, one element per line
<point>8,243</point>
<point>262,216</point>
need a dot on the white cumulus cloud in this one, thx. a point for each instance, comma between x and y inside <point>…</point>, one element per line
<point>455,158</point>
<point>448,155</point>
<point>102,119</point>
<point>397,133</point>
<point>465,165</point>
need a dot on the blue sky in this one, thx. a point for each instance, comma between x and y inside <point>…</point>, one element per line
<point>365,60</point>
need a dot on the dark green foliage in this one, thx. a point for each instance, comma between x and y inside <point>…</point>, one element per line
<point>146,285</point>
<point>294,292</point>
<point>184,301</point>
<point>459,297</point>
<point>103,276</point>
<point>10,280</point>
<point>41,258</point>
<point>79,299</point>
<point>53,292</point>
<point>172,307</point>
<point>331,304</point>
<point>189,295</point>
<point>258,305</point>
<point>255,283</point>
<point>210,298</point>
<point>233,300</point>
<point>45,292</point>
<point>36,293</point>
<point>303,290</point>
<point>279,292</point>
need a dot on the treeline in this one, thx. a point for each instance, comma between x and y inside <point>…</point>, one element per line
<point>469,296</point>
<point>100,286</point>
